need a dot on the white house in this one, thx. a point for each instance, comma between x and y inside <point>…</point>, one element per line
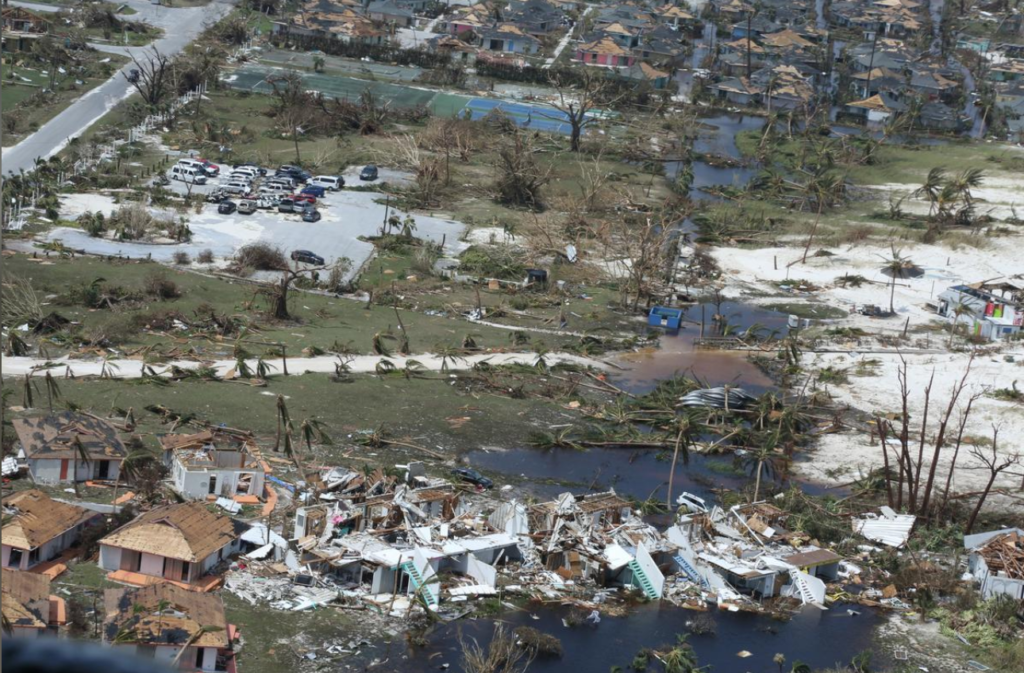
<point>27,604</point>
<point>210,463</point>
<point>162,618</point>
<point>982,312</point>
<point>69,446</point>
<point>39,528</point>
<point>181,543</point>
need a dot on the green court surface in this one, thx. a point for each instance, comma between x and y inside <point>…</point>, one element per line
<point>346,88</point>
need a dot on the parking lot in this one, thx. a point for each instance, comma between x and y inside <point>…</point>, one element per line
<point>346,216</point>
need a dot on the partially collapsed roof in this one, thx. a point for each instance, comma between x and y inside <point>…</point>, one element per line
<point>184,613</point>
<point>26,599</point>
<point>36,519</point>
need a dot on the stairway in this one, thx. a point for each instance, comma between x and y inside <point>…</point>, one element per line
<point>804,591</point>
<point>640,580</point>
<point>416,579</point>
<point>691,572</point>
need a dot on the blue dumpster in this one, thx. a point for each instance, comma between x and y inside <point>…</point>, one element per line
<point>663,316</point>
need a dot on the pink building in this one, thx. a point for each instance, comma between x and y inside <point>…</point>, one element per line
<point>604,51</point>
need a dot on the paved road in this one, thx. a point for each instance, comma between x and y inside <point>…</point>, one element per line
<point>180,26</point>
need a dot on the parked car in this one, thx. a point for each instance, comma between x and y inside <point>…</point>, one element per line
<point>314,190</point>
<point>216,196</point>
<point>250,164</point>
<point>303,198</point>
<point>247,207</point>
<point>226,207</point>
<point>369,173</point>
<point>133,75</point>
<point>294,172</point>
<point>188,174</point>
<point>311,215</point>
<point>211,168</point>
<point>331,182</point>
<point>237,187</point>
<point>471,476</point>
<point>307,257</point>
<point>286,205</point>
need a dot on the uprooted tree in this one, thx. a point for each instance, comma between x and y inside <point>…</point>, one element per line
<point>294,107</point>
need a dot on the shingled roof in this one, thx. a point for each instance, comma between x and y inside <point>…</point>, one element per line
<point>185,613</point>
<point>26,599</point>
<point>52,437</point>
<point>187,532</point>
<point>37,519</point>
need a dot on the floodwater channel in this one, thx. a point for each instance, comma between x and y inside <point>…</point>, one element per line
<point>816,637</point>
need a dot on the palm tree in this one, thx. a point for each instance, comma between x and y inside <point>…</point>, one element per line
<point>959,311</point>
<point>764,456</point>
<point>447,353</point>
<point>896,266</point>
<point>314,430</point>
<point>131,468</point>
<point>284,422</point>
<point>680,659</point>
<point>686,427</point>
<point>78,452</point>
<point>780,660</point>
<point>931,187</point>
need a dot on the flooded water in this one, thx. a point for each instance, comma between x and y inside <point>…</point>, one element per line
<point>819,638</point>
<point>641,472</point>
<point>718,134</point>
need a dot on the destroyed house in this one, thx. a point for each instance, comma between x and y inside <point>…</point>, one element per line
<point>211,463</point>
<point>325,18</point>
<point>390,13</point>
<point>28,608</point>
<point>69,446</point>
<point>986,314</point>
<point>39,528</point>
<point>597,509</point>
<point>156,621</point>
<point>181,543</point>
<point>997,562</point>
<point>21,28</point>
<point>535,17</point>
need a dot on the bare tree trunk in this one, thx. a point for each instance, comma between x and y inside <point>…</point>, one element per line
<point>672,471</point>
<point>882,435</point>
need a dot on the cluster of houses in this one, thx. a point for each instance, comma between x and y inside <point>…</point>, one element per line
<point>399,540</point>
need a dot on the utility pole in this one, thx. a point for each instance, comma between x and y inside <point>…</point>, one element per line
<point>750,15</point>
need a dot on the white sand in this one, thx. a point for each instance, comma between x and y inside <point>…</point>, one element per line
<point>847,454</point>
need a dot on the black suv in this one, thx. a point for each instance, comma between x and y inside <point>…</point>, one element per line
<point>473,477</point>
<point>294,172</point>
<point>307,257</point>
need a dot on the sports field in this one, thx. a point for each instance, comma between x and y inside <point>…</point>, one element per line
<point>535,117</point>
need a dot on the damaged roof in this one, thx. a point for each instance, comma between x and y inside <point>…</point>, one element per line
<point>37,519</point>
<point>183,614</point>
<point>187,532</point>
<point>52,437</point>
<point>26,598</point>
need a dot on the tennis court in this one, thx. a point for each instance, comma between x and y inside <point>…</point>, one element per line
<point>535,117</point>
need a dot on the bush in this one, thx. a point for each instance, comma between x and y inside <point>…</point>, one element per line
<point>159,286</point>
<point>205,257</point>
<point>181,258</point>
<point>261,257</point>
<point>543,644</point>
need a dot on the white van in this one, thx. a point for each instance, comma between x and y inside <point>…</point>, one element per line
<point>274,189</point>
<point>188,174</point>
<point>239,177</point>
<point>331,182</point>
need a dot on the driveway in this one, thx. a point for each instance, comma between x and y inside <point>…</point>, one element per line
<point>346,216</point>
<point>181,25</point>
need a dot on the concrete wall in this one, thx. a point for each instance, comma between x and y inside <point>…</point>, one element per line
<point>110,557</point>
<point>164,654</point>
<point>152,565</point>
<point>195,484</point>
<point>45,471</point>
<point>24,632</point>
<point>48,471</point>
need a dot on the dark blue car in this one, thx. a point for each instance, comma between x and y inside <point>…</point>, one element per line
<point>314,190</point>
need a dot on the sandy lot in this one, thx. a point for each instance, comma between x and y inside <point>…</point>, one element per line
<point>346,215</point>
<point>841,457</point>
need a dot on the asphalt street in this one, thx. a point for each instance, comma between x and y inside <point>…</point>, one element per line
<point>181,25</point>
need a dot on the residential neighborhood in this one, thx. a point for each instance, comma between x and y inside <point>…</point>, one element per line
<point>513,336</point>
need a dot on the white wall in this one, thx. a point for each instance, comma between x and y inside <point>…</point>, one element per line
<point>45,471</point>
<point>650,569</point>
<point>110,557</point>
<point>152,565</point>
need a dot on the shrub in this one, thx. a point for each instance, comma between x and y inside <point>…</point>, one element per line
<point>181,258</point>
<point>205,257</point>
<point>261,257</point>
<point>543,644</point>
<point>159,286</point>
